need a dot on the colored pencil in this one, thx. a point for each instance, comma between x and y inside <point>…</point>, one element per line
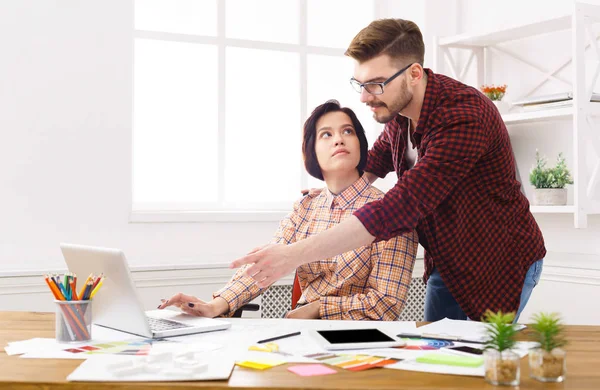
<point>97,288</point>
<point>73,285</point>
<point>84,286</point>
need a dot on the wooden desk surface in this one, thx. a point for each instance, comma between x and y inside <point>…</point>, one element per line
<point>583,368</point>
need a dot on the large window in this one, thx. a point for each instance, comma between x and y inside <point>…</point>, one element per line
<point>221,89</point>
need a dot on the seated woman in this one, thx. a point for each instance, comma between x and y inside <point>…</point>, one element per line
<point>369,283</point>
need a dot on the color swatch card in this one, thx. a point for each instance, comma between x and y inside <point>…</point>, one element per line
<point>353,362</point>
<point>132,348</point>
<point>416,344</point>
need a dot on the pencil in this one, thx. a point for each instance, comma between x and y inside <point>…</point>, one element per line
<point>82,291</point>
<point>97,281</point>
<point>73,284</point>
<point>61,296</point>
<point>97,288</point>
<point>86,293</point>
<point>52,288</point>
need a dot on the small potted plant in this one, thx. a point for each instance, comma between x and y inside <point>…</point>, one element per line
<point>496,93</point>
<point>549,362</point>
<point>502,365</point>
<point>550,183</point>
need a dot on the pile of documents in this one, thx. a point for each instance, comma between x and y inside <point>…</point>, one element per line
<point>117,356</point>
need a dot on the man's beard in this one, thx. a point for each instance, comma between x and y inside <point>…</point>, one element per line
<point>394,108</point>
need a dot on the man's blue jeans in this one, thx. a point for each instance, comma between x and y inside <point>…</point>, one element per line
<point>439,302</point>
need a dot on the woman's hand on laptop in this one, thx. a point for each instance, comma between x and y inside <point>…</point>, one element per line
<point>196,307</point>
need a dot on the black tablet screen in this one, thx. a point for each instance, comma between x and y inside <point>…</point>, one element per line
<point>354,336</point>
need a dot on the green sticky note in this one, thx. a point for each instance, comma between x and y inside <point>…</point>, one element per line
<point>450,360</point>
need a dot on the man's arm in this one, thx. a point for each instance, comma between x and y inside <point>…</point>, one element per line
<point>456,141</point>
<point>272,263</point>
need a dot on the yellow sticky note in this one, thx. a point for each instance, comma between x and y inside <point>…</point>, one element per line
<point>268,347</point>
<point>261,364</point>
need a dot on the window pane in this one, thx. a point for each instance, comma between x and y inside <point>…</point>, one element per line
<point>175,123</point>
<point>263,129</point>
<point>177,16</point>
<point>333,23</point>
<point>263,20</point>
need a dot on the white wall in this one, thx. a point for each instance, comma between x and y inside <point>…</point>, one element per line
<point>65,155</point>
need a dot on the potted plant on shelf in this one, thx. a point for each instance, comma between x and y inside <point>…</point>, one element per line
<point>550,183</point>
<point>549,362</point>
<point>496,93</point>
<point>502,365</point>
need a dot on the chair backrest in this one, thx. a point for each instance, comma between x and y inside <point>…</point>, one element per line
<point>296,292</point>
<point>414,307</point>
<point>277,300</point>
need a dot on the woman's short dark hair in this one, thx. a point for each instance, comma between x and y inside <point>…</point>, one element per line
<point>310,130</point>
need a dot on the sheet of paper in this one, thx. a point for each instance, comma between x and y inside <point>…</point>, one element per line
<point>468,330</point>
<point>24,346</point>
<point>230,343</point>
<point>246,332</point>
<point>50,349</point>
<point>136,369</point>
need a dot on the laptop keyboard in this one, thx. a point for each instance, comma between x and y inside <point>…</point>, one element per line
<point>161,324</point>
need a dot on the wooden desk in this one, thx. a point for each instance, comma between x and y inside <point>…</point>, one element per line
<point>583,364</point>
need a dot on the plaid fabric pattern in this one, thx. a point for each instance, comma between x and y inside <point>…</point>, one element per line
<point>368,283</point>
<point>462,197</point>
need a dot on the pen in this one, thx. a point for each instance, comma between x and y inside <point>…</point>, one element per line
<point>438,337</point>
<point>283,336</point>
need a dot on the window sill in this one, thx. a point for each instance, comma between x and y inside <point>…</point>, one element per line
<point>205,216</point>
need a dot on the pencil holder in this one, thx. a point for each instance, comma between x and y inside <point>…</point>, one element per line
<point>73,321</point>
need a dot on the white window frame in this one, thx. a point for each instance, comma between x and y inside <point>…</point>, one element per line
<point>222,42</point>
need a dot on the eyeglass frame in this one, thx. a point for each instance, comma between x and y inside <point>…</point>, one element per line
<point>354,81</point>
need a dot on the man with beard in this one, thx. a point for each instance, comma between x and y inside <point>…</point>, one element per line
<point>456,186</point>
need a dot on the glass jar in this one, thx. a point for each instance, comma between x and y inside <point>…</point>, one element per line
<point>548,366</point>
<point>502,368</point>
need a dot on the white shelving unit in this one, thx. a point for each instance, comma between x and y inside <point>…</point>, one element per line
<point>552,209</point>
<point>581,113</point>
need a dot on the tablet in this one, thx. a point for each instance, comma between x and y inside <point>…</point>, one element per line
<point>355,338</point>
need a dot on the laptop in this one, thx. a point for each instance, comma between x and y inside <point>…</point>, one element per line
<point>117,304</point>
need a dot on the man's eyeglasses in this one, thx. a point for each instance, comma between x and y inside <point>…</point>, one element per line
<point>375,88</point>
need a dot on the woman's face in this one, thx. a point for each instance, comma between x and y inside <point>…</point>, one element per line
<point>337,147</point>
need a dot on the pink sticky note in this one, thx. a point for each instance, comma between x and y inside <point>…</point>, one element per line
<point>311,370</point>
